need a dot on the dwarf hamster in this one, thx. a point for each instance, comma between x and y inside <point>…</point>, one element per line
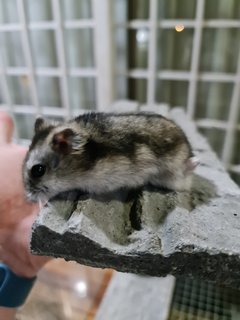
<point>103,152</point>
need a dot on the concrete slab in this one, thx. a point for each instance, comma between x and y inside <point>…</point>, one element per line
<point>152,232</point>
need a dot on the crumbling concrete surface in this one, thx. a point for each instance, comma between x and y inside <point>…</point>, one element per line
<point>152,232</point>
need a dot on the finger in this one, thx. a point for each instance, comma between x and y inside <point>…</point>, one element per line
<point>18,266</point>
<point>6,128</point>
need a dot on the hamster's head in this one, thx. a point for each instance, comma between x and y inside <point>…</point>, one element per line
<point>47,164</point>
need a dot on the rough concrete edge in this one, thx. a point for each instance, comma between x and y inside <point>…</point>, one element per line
<point>201,265</point>
<point>122,298</point>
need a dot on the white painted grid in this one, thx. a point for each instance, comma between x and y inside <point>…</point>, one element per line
<point>103,71</point>
<point>104,53</point>
<point>133,24</point>
<point>181,75</point>
<point>62,71</point>
<point>61,54</point>
<point>232,120</point>
<point>191,102</point>
<point>28,53</point>
<point>152,52</point>
<point>7,95</point>
<point>188,23</point>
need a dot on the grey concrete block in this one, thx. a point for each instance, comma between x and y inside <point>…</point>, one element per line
<point>132,297</point>
<point>154,233</point>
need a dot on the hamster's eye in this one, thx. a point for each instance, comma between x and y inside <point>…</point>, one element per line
<point>38,170</point>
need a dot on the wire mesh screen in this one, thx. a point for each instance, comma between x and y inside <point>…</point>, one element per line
<point>198,300</point>
<point>63,57</point>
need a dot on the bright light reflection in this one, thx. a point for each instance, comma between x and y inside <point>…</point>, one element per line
<point>179,27</point>
<point>142,36</point>
<point>81,288</point>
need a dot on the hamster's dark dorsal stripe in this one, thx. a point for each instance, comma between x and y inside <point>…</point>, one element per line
<point>95,120</point>
<point>98,116</point>
<point>97,150</point>
<point>40,136</point>
<point>92,117</point>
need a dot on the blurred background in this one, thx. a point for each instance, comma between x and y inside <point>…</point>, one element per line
<point>59,58</point>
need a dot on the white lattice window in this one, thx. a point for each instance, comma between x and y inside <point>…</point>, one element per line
<point>54,59</point>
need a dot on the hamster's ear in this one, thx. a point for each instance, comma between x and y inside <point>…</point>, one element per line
<point>62,141</point>
<point>192,163</point>
<point>40,124</point>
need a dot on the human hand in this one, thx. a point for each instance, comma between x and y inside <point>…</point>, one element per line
<point>16,214</point>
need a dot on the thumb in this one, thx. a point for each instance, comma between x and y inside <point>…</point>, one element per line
<point>6,128</point>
